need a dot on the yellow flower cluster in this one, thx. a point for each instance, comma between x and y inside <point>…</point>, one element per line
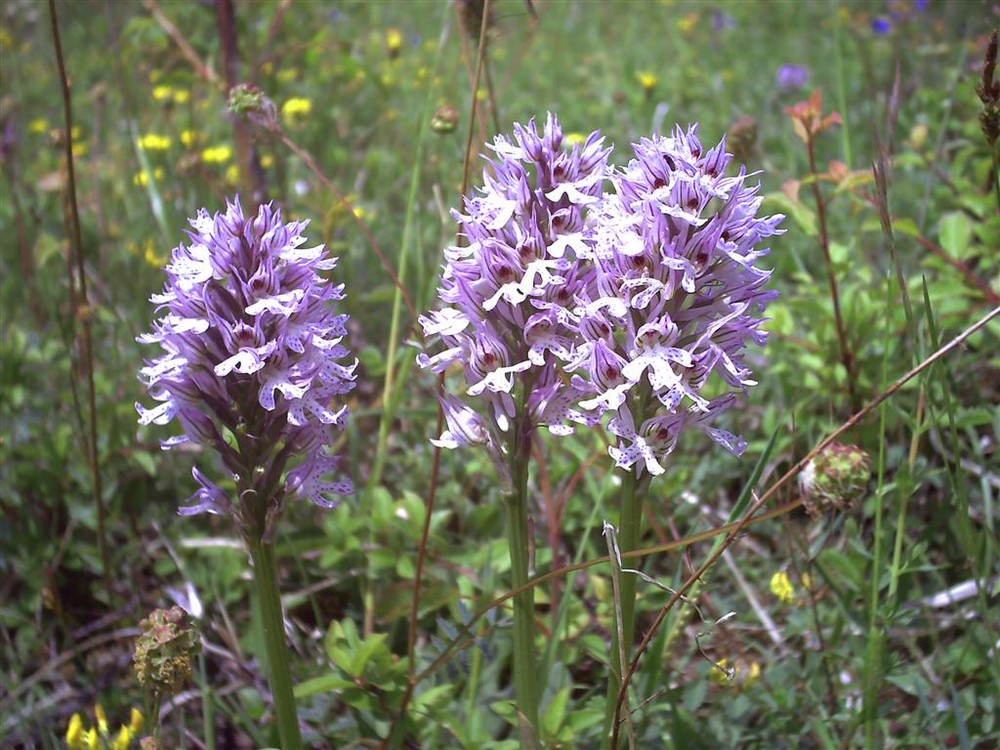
<point>164,93</point>
<point>99,737</point>
<point>148,252</point>
<point>294,108</point>
<point>216,154</point>
<point>393,41</point>
<point>688,23</point>
<point>647,80</point>
<point>741,675</point>
<point>142,178</point>
<point>781,587</point>
<point>155,142</point>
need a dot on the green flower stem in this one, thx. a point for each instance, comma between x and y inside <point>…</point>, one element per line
<point>629,524</point>
<point>525,677</point>
<point>274,643</point>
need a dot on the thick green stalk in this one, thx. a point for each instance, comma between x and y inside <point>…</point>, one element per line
<point>629,524</point>
<point>274,643</point>
<point>525,677</point>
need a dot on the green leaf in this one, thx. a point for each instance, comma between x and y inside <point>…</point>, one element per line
<point>954,233</point>
<point>323,684</point>
<point>801,214</point>
<point>145,462</point>
<point>555,713</point>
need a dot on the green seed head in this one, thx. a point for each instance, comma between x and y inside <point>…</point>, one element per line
<point>165,649</point>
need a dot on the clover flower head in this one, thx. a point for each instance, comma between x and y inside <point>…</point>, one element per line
<point>676,297</point>
<point>508,293</point>
<point>253,360</point>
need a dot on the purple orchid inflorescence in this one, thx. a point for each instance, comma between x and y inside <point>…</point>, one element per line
<point>675,298</point>
<point>621,304</point>
<point>252,361</point>
<point>510,291</point>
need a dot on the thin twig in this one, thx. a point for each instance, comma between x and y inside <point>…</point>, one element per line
<point>475,96</point>
<point>991,297</point>
<point>201,68</point>
<point>349,207</point>
<point>82,314</point>
<point>411,639</point>
<point>846,356</point>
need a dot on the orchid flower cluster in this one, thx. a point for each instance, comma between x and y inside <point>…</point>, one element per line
<point>511,291</point>
<point>581,303</point>
<point>252,361</point>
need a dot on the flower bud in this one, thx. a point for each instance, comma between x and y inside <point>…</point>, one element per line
<point>836,478</point>
<point>165,649</point>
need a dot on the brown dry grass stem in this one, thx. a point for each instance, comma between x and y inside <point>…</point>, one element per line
<point>846,354</point>
<point>82,314</point>
<point>349,207</point>
<point>734,530</point>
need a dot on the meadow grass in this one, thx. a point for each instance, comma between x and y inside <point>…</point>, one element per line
<point>871,624</point>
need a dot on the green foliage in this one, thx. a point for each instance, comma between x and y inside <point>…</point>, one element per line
<point>887,640</point>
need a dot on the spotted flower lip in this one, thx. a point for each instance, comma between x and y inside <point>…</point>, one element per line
<point>252,348</point>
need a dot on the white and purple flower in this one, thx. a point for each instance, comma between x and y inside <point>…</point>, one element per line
<point>253,360</point>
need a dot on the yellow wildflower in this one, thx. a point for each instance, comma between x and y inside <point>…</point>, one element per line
<point>102,719</point>
<point>91,740</point>
<point>188,137</point>
<point>287,75</point>
<point>121,741</point>
<point>154,142</point>
<point>751,673</point>
<point>216,154</point>
<point>232,174</point>
<point>688,23</point>
<point>741,675</point>
<point>918,136</point>
<point>267,161</point>
<point>135,721</point>
<point>721,672</point>
<point>79,149</point>
<point>393,41</point>
<point>781,587</point>
<point>142,178</point>
<point>182,96</point>
<point>74,733</point>
<point>574,139</point>
<point>156,260</point>
<point>161,93</point>
<point>647,80</point>
<point>75,132</point>
<point>807,581</point>
<point>295,107</point>
<point>38,125</point>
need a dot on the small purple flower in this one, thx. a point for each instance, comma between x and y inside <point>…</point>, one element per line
<point>881,25</point>
<point>252,361</point>
<point>792,77</point>
<point>508,293</point>
<point>722,21</point>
